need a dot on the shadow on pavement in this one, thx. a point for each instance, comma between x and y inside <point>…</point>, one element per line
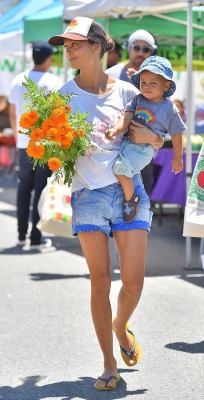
<point>115,275</point>
<point>42,276</point>
<point>193,348</point>
<point>9,213</point>
<point>80,389</point>
<point>47,277</point>
<point>195,277</point>
<point>58,244</point>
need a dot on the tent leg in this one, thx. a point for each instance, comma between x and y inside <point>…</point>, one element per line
<point>188,252</point>
<point>190,116</point>
<point>202,253</point>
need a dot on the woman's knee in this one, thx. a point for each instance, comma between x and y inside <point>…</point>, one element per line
<point>133,287</point>
<point>100,286</point>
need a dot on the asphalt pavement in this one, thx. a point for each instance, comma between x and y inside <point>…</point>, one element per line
<point>48,347</point>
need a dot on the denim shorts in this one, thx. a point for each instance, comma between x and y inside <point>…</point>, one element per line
<point>101,209</point>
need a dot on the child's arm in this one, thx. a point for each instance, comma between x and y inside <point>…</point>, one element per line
<point>121,126</point>
<point>177,162</point>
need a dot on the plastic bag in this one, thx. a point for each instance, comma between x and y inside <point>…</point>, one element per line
<point>55,210</point>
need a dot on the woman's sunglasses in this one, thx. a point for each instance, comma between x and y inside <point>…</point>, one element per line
<point>143,49</point>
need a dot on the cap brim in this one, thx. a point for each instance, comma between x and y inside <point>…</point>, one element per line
<point>59,39</point>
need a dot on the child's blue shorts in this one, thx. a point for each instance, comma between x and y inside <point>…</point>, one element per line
<point>101,209</point>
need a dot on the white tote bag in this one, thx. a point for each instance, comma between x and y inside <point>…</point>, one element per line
<point>194,210</point>
<point>55,210</point>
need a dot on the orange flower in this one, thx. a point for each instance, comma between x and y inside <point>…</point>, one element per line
<point>37,134</point>
<point>54,164</point>
<point>24,122</point>
<point>52,134</point>
<point>65,135</point>
<point>28,119</point>
<point>57,102</point>
<point>66,141</point>
<point>65,129</point>
<point>81,133</point>
<point>35,150</point>
<point>47,124</point>
<point>75,134</point>
<point>68,109</point>
<point>33,116</point>
<point>58,115</point>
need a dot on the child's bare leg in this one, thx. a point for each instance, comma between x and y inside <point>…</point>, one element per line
<point>127,186</point>
<point>132,200</point>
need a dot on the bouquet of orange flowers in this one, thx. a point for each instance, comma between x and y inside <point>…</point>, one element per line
<point>57,136</point>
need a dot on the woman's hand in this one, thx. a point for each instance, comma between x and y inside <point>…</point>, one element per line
<point>140,134</point>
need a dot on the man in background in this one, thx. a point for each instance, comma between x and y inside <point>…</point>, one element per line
<point>28,179</point>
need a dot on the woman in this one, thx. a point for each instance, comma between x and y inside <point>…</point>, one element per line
<point>97,197</point>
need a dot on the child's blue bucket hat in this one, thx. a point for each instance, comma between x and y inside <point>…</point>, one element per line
<point>157,65</point>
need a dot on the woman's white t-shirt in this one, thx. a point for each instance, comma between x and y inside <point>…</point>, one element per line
<point>94,169</point>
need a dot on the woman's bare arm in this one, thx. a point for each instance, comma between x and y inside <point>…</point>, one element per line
<point>141,134</point>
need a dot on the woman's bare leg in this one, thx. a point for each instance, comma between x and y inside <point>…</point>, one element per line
<point>96,252</point>
<point>132,250</point>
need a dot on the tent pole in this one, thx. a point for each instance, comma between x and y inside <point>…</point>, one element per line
<point>190,117</point>
<point>105,57</point>
<point>64,56</point>
<point>24,57</point>
<point>177,21</point>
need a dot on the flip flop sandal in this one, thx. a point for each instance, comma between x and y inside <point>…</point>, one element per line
<point>130,208</point>
<point>117,378</point>
<point>129,353</point>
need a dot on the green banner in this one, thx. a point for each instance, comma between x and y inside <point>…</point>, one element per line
<point>177,57</point>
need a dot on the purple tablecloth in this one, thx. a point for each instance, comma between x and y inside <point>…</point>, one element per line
<point>168,187</point>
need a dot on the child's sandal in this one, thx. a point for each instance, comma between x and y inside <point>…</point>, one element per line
<point>130,208</point>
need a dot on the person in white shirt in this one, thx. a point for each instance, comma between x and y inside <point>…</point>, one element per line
<point>97,197</point>
<point>28,179</point>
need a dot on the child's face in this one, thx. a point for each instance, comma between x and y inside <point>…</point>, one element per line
<point>153,86</point>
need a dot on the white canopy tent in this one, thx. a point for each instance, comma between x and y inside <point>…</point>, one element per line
<point>119,9</point>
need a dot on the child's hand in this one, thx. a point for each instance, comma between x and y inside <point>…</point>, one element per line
<point>130,72</point>
<point>110,133</point>
<point>177,165</point>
